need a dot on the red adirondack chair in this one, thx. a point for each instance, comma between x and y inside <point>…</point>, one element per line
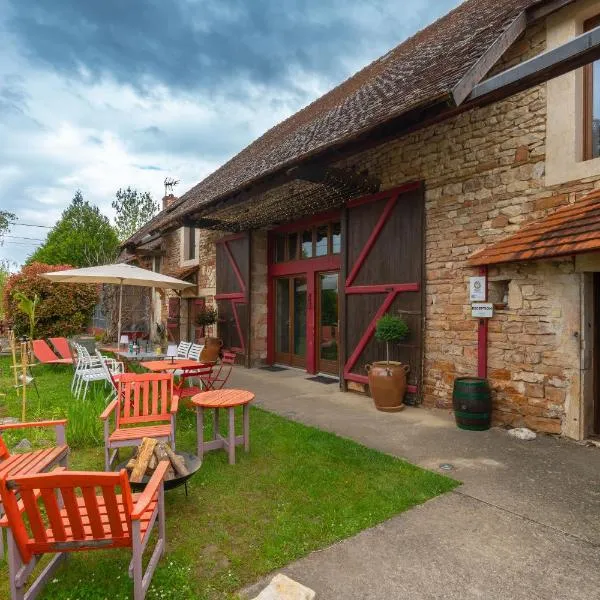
<point>44,354</point>
<point>72,522</point>
<point>61,345</point>
<point>221,371</point>
<point>36,461</point>
<point>145,406</point>
<point>201,372</point>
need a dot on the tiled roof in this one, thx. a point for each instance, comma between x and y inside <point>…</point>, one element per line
<point>183,272</point>
<point>572,229</point>
<point>421,70</point>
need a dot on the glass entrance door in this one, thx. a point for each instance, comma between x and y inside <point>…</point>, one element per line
<point>290,320</point>
<point>327,323</point>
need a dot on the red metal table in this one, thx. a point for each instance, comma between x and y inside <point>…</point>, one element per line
<point>228,399</point>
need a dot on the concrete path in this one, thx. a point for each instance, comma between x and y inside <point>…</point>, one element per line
<point>525,524</point>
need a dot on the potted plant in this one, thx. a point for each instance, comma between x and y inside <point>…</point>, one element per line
<point>206,317</point>
<point>387,379</point>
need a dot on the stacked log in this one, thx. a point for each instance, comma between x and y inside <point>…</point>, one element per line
<point>147,456</point>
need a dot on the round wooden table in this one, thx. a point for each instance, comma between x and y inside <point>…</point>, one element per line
<point>227,399</point>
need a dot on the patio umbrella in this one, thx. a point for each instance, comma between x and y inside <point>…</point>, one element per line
<point>119,274</point>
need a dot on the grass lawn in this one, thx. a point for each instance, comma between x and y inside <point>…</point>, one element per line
<point>299,489</point>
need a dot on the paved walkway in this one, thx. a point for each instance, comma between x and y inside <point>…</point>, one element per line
<point>525,524</point>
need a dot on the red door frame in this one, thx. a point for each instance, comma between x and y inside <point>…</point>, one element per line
<point>391,290</point>
<point>235,298</point>
<point>309,268</point>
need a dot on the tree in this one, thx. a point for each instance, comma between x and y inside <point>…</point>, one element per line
<point>134,209</point>
<point>82,237</point>
<point>62,309</point>
<point>6,220</point>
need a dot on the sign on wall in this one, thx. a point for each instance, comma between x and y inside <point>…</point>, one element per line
<point>477,289</point>
<point>482,310</point>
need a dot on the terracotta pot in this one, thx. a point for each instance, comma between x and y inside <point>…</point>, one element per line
<point>212,350</point>
<point>387,383</point>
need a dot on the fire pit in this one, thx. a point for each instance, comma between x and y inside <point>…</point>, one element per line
<point>141,466</point>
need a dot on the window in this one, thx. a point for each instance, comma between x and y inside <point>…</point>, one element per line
<point>307,244</point>
<point>591,102</point>
<point>189,243</point>
<point>156,264</point>
<point>318,241</point>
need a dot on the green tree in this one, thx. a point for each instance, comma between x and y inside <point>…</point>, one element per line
<point>82,237</point>
<point>134,209</point>
<point>6,220</point>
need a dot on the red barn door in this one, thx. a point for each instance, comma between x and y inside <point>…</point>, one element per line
<point>384,274</point>
<point>233,292</point>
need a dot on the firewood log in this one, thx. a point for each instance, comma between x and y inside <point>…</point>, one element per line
<point>153,462</point>
<point>145,453</point>
<point>160,452</point>
<point>177,462</point>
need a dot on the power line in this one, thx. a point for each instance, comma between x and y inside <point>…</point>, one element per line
<point>30,225</point>
<point>20,237</point>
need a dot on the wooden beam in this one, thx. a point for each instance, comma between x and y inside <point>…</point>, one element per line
<point>575,53</point>
<point>490,57</point>
<point>541,12</point>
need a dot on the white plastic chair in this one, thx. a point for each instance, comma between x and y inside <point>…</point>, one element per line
<point>183,349</point>
<point>92,368</point>
<point>195,351</point>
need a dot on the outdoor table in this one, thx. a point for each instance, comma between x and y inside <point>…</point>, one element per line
<point>130,356</point>
<point>228,399</point>
<point>170,365</point>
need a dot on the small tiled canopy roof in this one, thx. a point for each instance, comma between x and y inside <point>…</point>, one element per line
<point>572,229</point>
<point>418,72</point>
<point>183,272</point>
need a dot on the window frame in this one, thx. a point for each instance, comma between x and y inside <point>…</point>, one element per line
<point>299,233</point>
<point>189,243</point>
<point>588,96</point>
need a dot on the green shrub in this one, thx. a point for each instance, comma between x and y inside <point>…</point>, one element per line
<point>391,329</point>
<point>64,309</point>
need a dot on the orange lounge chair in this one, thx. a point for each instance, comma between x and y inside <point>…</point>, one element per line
<point>61,345</point>
<point>44,354</point>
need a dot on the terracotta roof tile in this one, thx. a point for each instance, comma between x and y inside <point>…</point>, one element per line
<point>572,229</point>
<point>422,69</point>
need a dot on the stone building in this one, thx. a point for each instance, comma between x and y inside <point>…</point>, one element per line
<point>394,189</point>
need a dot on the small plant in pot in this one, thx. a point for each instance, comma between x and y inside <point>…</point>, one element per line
<point>387,379</point>
<point>206,317</point>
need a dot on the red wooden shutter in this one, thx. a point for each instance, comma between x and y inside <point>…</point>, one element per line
<point>384,245</point>
<point>233,292</point>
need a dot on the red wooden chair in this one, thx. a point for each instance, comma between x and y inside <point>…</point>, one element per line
<point>35,461</point>
<point>145,406</point>
<point>61,345</point>
<point>51,517</point>
<point>44,354</point>
<point>201,372</point>
<point>222,371</point>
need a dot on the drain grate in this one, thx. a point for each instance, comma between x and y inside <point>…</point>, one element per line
<point>273,369</point>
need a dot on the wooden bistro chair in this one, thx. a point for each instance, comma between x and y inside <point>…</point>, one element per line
<point>145,406</point>
<point>62,511</point>
<point>35,461</point>
<point>46,356</point>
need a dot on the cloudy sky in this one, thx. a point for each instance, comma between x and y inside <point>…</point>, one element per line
<point>102,94</point>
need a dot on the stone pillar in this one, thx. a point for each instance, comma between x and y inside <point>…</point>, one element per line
<point>258,298</point>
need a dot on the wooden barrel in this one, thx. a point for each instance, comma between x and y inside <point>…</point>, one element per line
<point>472,403</point>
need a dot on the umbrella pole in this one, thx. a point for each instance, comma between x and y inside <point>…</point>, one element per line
<point>119,325</point>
